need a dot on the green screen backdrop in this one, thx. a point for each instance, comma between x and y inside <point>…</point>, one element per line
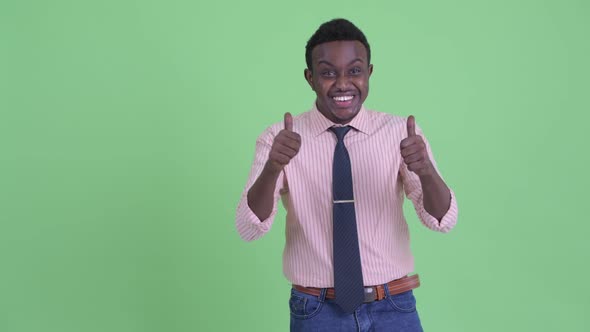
<point>127,129</point>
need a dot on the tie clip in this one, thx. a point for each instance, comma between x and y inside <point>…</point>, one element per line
<point>344,201</point>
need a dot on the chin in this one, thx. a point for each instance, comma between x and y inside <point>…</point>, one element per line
<point>344,115</point>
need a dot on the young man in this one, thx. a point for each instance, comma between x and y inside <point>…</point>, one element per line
<point>341,171</point>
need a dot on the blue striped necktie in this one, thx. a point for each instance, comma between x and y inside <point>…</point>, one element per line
<point>348,274</point>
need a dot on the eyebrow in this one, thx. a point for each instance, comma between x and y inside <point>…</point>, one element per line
<point>329,64</point>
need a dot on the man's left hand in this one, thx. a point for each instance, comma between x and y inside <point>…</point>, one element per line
<point>413,150</point>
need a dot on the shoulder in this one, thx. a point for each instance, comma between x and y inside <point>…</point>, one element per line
<point>386,121</point>
<point>391,124</point>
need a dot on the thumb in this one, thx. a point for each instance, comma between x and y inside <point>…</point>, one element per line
<point>288,121</point>
<point>411,126</point>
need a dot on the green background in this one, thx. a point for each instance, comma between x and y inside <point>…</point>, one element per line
<point>127,130</point>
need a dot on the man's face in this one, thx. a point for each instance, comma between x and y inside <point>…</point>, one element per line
<point>340,78</point>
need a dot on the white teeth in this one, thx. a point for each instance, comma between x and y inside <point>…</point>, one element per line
<point>343,98</point>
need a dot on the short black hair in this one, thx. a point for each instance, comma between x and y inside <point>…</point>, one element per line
<point>335,30</point>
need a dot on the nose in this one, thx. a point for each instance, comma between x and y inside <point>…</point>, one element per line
<point>342,82</point>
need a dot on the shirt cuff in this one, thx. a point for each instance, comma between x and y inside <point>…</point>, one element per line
<point>249,226</point>
<point>448,221</point>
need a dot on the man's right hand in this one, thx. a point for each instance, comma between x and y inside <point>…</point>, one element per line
<point>285,146</point>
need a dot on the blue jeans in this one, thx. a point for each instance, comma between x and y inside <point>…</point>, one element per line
<point>316,313</point>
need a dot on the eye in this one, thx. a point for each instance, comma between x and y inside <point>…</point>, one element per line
<point>355,71</point>
<point>329,73</point>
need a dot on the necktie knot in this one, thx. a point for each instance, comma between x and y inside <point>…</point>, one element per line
<point>340,132</point>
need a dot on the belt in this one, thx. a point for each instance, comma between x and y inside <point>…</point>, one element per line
<point>372,293</point>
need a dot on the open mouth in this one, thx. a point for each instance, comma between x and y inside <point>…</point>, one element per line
<point>343,101</point>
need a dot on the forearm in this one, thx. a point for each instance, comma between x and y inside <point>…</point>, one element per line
<point>436,194</point>
<point>261,194</point>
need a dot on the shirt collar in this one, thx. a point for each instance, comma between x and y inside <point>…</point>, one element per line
<point>320,124</point>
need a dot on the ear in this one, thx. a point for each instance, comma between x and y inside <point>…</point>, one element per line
<point>308,77</point>
<point>370,69</point>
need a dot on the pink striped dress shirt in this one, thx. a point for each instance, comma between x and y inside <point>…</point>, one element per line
<point>380,179</point>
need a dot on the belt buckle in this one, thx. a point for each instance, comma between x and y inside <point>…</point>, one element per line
<point>370,294</point>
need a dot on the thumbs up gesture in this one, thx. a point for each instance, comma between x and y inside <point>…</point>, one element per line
<point>413,150</point>
<point>285,146</point>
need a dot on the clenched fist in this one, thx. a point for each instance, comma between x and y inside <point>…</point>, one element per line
<point>413,150</point>
<point>285,146</point>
